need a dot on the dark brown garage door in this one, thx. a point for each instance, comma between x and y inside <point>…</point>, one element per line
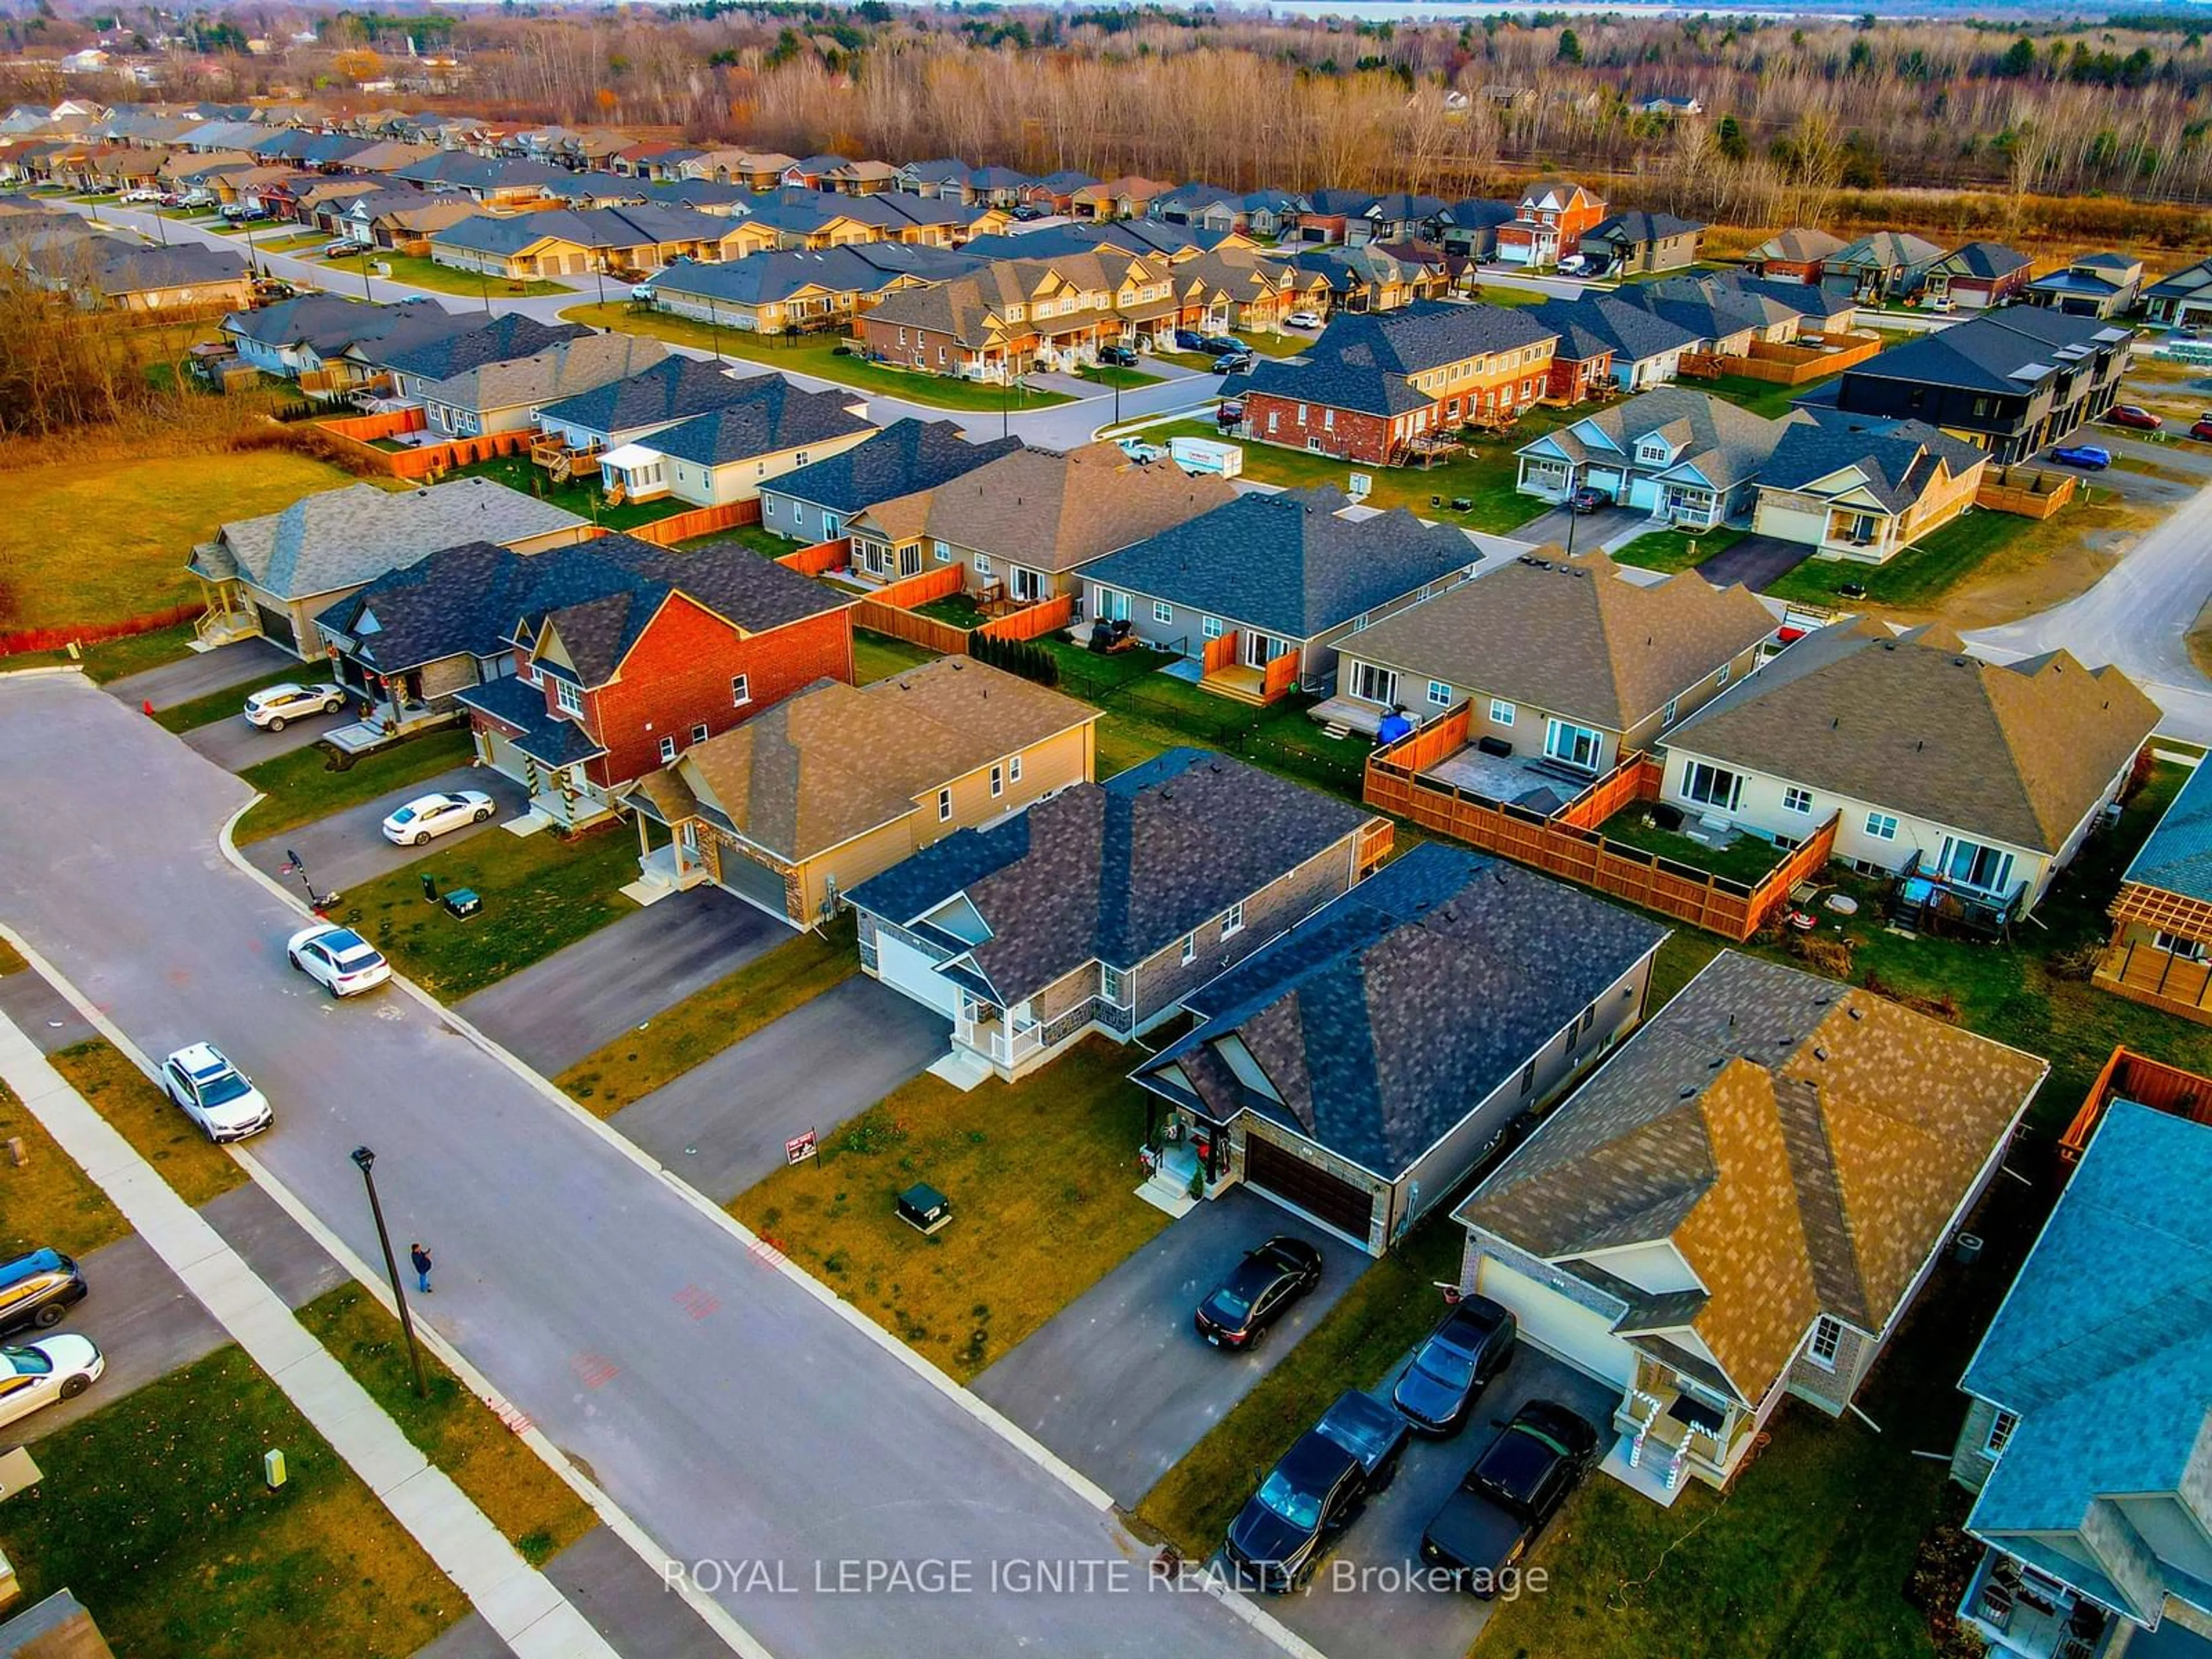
<point>1319,1194</point>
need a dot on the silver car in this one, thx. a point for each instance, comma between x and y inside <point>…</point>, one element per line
<point>426,815</point>
<point>273,707</point>
<point>215,1094</point>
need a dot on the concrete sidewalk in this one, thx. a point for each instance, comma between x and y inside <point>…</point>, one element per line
<point>519,1603</point>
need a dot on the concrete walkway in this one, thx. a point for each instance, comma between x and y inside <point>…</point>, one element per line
<point>520,1603</point>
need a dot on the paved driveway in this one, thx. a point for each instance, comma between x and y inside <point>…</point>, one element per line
<point>197,675</point>
<point>1342,1618</point>
<point>554,1012</point>
<point>145,1321</point>
<point>348,848</point>
<point>721,1125</point>
<point>1755,561</point>
<point>1120,1384</point>
<point>235,743</point>
<point>1588,531</point>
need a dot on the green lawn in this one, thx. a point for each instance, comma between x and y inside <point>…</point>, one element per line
<point>1674,549</point>
<point>1920,574</point>
<point>1511,296</point>
<point>418,272</point>
<point>533,1506</point>
<point>143,1114</point>
<point>815,354</point>
<point>1390,1308</point>
<point>580,496</point>
<point>1767,398</point>
<point>956,609</point>
<point>111,660</point>
<point>1110,377</point>
<point>226,703</point>
<point>721,1017</point>
<point>153,1512</point>
<point>1043,1176</point>
<point>878,656</point>
<point>540,893</point>
<point>1747,859</point>
<point>301,787</point>
<point>766,543</point>
<point>47,1202</point>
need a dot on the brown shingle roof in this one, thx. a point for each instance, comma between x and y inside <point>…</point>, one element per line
<point>838,760</point>
<point>1803,1145</point>
<point>1577,638</point>
<point>2020,752</point>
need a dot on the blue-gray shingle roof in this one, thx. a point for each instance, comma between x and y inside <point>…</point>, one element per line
<point>2178,856</point>
<point>674,389</point>
<point>904,456</point>
<point>775,416</point>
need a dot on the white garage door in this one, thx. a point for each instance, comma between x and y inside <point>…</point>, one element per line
<point>899,964</point>
<point>1566,1330</point>
<point>500,750</point>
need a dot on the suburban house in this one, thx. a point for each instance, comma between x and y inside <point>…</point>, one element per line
<point>1608,341</point>
<point>2183,300</point>
<point>1973,784</point>
<point>1360,1066</point>
<point>1126,197</point>
<point>675,648</point>
<point>273,575</point>
<point>2161,944</point>
<point>1642,241</point>
<point>799,290</point>
<point>795,808</point>
<point>1379,388</point>
<point>2086,1423</point>
<point>102,274</point>
<point>1553,215</point>
<point>1263,593</point>
<point>1689,459</point>
<point>391,219</point>
<point>1864,489</point>
<point>414,363</point>
<point>503,394</point>
<point>563,241</point>
<point>1469,229</point>
<point>2010,381</point>
<point>1021,526</point>
<point>815,503</point>
<point>727,454</point>
<point>1565,663</point>
<point>1742,1205</point>
<point>1102,908</point>
<point>621,411</point>
<point>2098,285</point>
<point>1885,267</point>
<point>1582,358</point>
<point>1369,278</point>
<point>1975,277</point>
<point>309,332</point>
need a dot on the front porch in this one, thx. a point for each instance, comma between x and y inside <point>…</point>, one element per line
<point>1861,536</point>
<point>2022,1614</point>
<point>1671,1429</point>
<point>665,871</point>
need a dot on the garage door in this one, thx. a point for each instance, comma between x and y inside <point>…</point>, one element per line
<point>1604,477</point>
<point>277,626</point>
<point>899,964</point>
<point>1566,1330</point>
<point>501,754</point>
<point>1337,1203</point>
<point>755,883</point>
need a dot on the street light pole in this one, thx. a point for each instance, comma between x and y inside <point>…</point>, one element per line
<point>366,1159</point>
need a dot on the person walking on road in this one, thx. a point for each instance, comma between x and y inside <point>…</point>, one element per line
<point>421,1258</point>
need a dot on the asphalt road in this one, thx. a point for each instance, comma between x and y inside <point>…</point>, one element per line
<point>197,675</point>
<point>722,1125</point>
<point>235,743</point>
<point>554,1012</point>
<point>733,1411</point>
<point>1120,1384</point>
<point>348,847</point>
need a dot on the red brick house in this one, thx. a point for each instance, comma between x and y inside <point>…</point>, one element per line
<point>1554,213</point>
<point>640,653</point>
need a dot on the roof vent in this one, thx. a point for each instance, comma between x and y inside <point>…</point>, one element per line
<point>1819,1054</point>
<point>1686,1093</point>
<point>1717,1061</point>
<point>1857,1013</point>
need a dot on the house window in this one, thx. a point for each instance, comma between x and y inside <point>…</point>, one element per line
<point>1109,984</point>
<point>1014,768</point>
<point>997,781</point>
<point>699,732</point>
<point>944,805</point>
<point>1721,678</point>
<point>1328,420</point>
<point>2189,949</point>
<point>1233,922</point>
<point>1501,712</point>
<point>741,689</point>
<point>1209,627</point>
<point>567,698</point>
<point>667,748</point>
<point>1881,826</point>
<point>1666,715</point>
<point>1711,785</point>
<point>981,561</point>
<point>1440,694</point>
<point>1190,948</point>
<point>1794,799</point>
<point>2001,1428</point>
<point>1373,685</point>
<point>1572,746</point>
<point>1827,1337</point>
<point>1528,1079</point>
<point>944,553</point>
<point>1969,864</point>
<point>1162,611</point>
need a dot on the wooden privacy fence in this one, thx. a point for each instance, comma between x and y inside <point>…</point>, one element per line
<point>2153,1082</point>
<point>358,434</point>
<point>1219,653</point>
<point>819,559</point>
<point>889,611</point>
<point>1812,358</point>
<point>1281,677</point>
<point>2028,494</point>
<point>1566,843</point>
<point>1031,621</point>
<point>699,522</point>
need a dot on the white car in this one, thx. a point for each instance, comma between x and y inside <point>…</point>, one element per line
<point>39,1373</point>
<point>433,815</point>
<point>1304,319</point>
<point>142,194</point>
<point>215,1094</point>
<point>273,706</point>
<point>1142,453</point>
<point>338,959</point>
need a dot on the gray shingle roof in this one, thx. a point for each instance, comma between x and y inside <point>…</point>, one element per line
<point>772,277</point>
<point>1726,443</point>
<point>2010,351</point>
<point>1898,459</point>
<point>500,340</point>
<point>1986,260</point>
<point>1384,1019</point>
<point>1595,323</point>
<point>674,389</point>
<point>562,370</point>
<point>1637,227</point>
<point>1362,358</point>
<point>776,415</point>
<point>2178,856</point>
<point>538,734</point>
<point>906,456</point>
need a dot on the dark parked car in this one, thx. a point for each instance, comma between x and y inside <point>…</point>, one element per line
<point>36,1290</point>
<point>2203,430</point>
<point>1469,1347</point>
<point>1258,1292</point>
<point>2088,457</point>
<point>1118,356</point>
<point>1315,1493</point>
<point>1588,499</point>
<point>1233,362</point>
<point>1221,345</point>
<point>2134,414</point>
<point>1029,210</point>
<point>1513,1491</point>
<point>1189,339</point>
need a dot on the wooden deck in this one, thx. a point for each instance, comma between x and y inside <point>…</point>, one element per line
<point>2143,973</point>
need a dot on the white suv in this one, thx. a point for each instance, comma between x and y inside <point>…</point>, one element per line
<point>272,706</point>
<point>215,1094</point>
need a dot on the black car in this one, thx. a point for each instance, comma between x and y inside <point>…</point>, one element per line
<point>1029,210</point>
<point>1513,1491</point>
<point>1118,356</point>
<point>36,1290</point>
<point>1257,1291</point>
<point>1189,339</point>
<point>1233,362</point>
<point>1588,499</point>
<point>1314,1493</point>
<point>1222,345</point>
<point>1469,1347</point>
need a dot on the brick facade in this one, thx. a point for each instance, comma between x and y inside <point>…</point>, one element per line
<point>1571,379</point>
<point>1346,434</point>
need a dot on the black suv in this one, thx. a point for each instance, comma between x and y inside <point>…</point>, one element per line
<point>36,1290</point>
<point>1469,1347</point>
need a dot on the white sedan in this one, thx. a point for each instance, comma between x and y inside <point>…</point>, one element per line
<point>433,815</point>
<point>273,705</point>
<point>39,1373</point>
<point>215,1094</point>
<point>338,959</point>
<point>1304,319</point>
